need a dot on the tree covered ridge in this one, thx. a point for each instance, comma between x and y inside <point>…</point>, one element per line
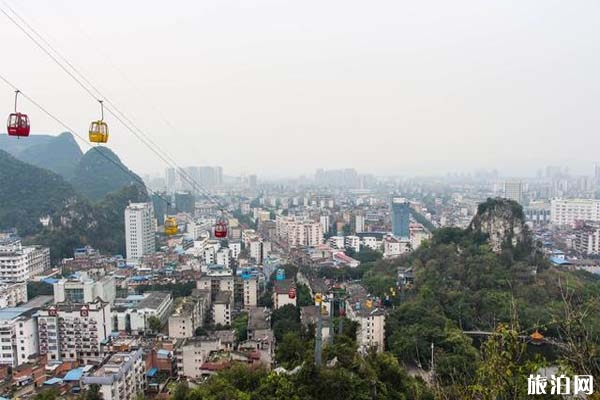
<point>100,172</point>
<point>28,193</point>
<point>100,225</point>
<point>59,154</point>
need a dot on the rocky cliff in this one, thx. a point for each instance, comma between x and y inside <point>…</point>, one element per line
<point>502,223</point>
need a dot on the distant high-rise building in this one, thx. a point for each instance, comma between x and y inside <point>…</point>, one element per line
<point>185,202</point>
<point>565,212</point>
<point>252,181</point>
<point>359,223</point>
<point>171,180</point>
<point>139,230</point>
<point>210,176</point>
<point>338,177</point>
<point>597,174</point>
<point>513,190</point>
<point>324,219</point>
<point>401,217</point>
<point>160,205</point>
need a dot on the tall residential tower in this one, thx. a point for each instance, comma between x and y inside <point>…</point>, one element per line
<point>401,217</point>
<point>139,230</point>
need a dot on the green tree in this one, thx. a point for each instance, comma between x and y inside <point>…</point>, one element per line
<point>180,392</point>
<point>48,394</point>
<point>154,323</point>
<point>93,392</point>
<point>290,350</point>
<point>240,324</point>
<point>303,295</point>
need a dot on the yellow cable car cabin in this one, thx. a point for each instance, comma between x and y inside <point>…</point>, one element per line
<point>171,226</point>
<point>99,129</point>
<point>98,132</point>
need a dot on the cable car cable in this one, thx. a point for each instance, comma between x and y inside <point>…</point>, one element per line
<point>143,138</point>
<point>64,125</point>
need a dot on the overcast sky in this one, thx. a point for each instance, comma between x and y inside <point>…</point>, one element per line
<point>280,88</point>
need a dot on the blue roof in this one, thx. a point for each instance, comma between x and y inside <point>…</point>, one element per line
<point>50,280</point>
<point>9,313</point>
<point>559,261</point>
<point>53,381</point>
<point>152,372</point>
<point>163,352</point>
<point>74,375</point>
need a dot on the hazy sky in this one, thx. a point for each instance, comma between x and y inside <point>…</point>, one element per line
<point>281,88</point>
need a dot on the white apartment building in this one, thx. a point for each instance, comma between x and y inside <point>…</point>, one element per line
<point>12,294</point>
<point>256,250</point>
<point>248,235</point>
<point>236,248</point>
<point>122,377</point>
<point>250,292</point>
<point>513,190</point>
<point>210,255</point>
<point>587,239</point>
<point>352,242</point>
<point>72,332</point>
<point>18,335</point>
<point>85,290</point>
<point>139,230</point>
<point>186,317</point>
<point>281,293</point>
<point>417,236</point>
<point>565,212</point>
<point>222,308</point>
<point>371,325</point>
<point>337,242</point>
<point>359,223</point>
<point>214,284</point>
<point>370,242</point>
<point>324,220</point>
<point>313,233</point>
<point>193,353</point>
<point>133,317</point>
<point>223,256</point>
<point>394,247</point>
<point>263,215</point>
<point>19,263</point>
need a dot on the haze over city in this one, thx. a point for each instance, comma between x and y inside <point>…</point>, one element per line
<point>281,88</point>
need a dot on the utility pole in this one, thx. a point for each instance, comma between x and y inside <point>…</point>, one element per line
<point>432,365</point>
<point>319,339</point>
<point>331,327</point>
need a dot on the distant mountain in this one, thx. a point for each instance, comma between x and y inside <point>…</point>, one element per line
<point>96,175</point>
<point>59,154</point>
<point>28,193</point>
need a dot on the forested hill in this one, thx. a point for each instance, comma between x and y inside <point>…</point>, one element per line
<point>59,154</point>
<point>101,172</point>
<point>89,210</point>
<point>99,224</point>
<point>28,193</point>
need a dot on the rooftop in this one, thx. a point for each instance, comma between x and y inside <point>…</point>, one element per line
<point>153,300</point>
<point>223,297</point>
<point>258,318</point>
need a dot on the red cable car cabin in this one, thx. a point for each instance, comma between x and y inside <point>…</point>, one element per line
<point>18,125</point>
<point>221,229</point>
